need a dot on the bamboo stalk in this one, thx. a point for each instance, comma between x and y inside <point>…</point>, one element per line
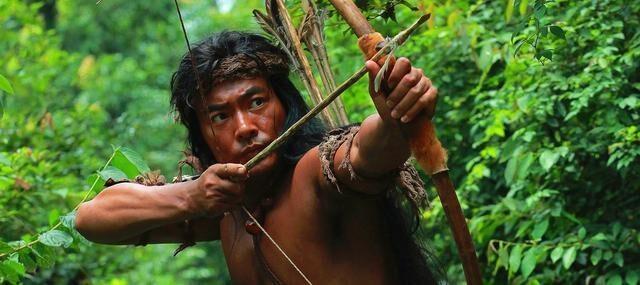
<point>396,41</point>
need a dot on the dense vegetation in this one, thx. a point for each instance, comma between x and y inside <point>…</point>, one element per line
<point>539,109</point>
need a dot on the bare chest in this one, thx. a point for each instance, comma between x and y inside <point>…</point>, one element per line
<point>327,247</point>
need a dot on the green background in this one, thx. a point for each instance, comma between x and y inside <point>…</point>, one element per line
<point>539,109</point>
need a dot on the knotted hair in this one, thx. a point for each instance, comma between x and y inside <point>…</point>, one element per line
<point>232,55</point>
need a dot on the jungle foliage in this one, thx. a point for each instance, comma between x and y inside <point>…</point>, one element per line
<point>539,109</point>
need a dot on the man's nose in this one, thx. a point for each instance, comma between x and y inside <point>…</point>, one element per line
<point>246,129</point>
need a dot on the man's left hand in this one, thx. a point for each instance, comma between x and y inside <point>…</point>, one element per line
<point>410,92</point>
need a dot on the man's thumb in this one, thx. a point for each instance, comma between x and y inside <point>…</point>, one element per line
<point>373,69</point>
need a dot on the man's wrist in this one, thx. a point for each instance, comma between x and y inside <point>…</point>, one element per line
<point>187,202</point>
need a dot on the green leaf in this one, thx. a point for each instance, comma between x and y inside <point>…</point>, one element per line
<point>528,262</point>
<point>618,259</point>
<point>632,277</point>
<point>12,269</point>
<point>69,220</point>
<point>26,259</point>
<point>129,162</point>
<point>45,255</point>
<point>518,168</point>
<point>4,247</point>
<point>539,10</point>
<point>5,85</point>
<point>548,54</point>
<point>596,256</point>
<point>615,279</point>
<point>113,173</point>
<point>557,31</point>
<point>54,216</point>
<point>523,7</point>
<point>55,238</point>
<point>582,232</point>
<point>556,254</point>
<point>569,257</point>
<point>548,158</point>
<point>514,258</point>
<point>539,229</point>
<point>503,257</point>
<point>508,11</point>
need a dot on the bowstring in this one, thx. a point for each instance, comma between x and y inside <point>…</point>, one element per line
<point>201,90</point>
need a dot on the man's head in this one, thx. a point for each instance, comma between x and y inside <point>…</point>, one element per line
<point>248,101</point>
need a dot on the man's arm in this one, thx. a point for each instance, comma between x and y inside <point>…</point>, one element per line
<point>380,148</point>
<point>130,213</point>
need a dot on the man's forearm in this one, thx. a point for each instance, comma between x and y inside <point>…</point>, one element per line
<point>378,148</point>
<point>127,210</point>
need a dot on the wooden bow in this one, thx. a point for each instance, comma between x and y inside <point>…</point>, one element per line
<point>425,147</point>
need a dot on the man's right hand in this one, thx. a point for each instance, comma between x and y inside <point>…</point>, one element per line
<point>218,189</point>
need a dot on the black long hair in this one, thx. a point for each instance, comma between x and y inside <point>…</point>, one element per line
<point>184,92</point>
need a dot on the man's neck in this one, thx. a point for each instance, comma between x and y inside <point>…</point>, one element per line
<point>265,185</point>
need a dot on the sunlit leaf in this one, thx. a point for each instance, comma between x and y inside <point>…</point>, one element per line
<point>548,158</point>
<point>508,11</point>
<point>556,254</point>
<point>129,162</point>
<point>113,173</point>
<point>569,257</point>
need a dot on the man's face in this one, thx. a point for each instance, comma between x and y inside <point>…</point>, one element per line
<point>240,118</point>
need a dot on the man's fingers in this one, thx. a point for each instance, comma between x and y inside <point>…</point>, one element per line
<point>400,69</point>
<point>407,82</point>
<point>409,99</point>
<point>231,171</point>
<point>426,103</point>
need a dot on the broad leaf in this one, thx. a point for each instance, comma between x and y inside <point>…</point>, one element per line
<point>518,168</point>
<point>56,238</point>
<point>548,158</point>
<point>632,277</point>
<point>618,259</point>
<point>129,162</point>
<point>528,262</point>
<point>514,258</point>
<point>569,257</point>
<point>113,173</point>
<point>69,220</point>
<point>596,256</point>
<point>557,31</point>
<point>556,254</point>
<point>614,280</point>
<point>540,229</point>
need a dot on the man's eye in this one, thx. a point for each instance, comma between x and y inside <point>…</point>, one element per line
<point>257,102</point>
<point>218,117</point>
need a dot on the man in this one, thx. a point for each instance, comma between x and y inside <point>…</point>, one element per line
<point>332,208</point>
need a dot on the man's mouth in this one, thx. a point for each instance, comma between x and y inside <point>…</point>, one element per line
<point>252,150</point>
